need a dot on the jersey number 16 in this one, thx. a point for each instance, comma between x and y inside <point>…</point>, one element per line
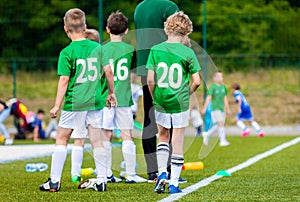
<point>121,70</point>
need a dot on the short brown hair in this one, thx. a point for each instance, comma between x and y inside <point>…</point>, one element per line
<point>75,20</point>
<point>178,24</point>
<point>236,86</point>
<point>215,72</point>
<point>117,22</point>
<point>92,34</point>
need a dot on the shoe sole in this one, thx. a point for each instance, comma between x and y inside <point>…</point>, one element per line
<point>160,188</point>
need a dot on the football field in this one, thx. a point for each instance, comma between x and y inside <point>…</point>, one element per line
<point>263,169</point>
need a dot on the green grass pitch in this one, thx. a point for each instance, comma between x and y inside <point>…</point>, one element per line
<point>275,178</point>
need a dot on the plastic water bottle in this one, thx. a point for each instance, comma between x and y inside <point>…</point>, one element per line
<point>193,166</point>
<point>36,167</point>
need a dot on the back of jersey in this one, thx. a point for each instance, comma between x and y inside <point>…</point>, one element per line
<point>120,57</point>
<point>82,62</point>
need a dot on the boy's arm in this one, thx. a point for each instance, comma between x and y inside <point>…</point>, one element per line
<point>226,105</point>
<point>239,105</point>
<point>207,100</point>
<point>151,81</point>
<point>111,98</point>
<point>195,82</point>
<point>61,91</point>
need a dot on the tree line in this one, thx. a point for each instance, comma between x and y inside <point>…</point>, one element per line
<point>35,28</point>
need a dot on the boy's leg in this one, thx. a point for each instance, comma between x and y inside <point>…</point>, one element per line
<point>100,154</point>
<point>129,152</point>
<point>222,134</point>
<point>210,132</point>
<point>162,149</point>
<point>241,125</point>
<point>76,159</point>
<point>107,146</point>
<point>257,128</point>
<point>60,153</point>
<point>177,158</point>
<point>162,153</point>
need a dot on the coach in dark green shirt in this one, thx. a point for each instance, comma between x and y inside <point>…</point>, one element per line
<point>149,18</point>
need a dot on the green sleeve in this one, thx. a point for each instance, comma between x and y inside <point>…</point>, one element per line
<point>64,65</point>
<point>151,61</point>
<point>211,90</point>
<point>194,65</point>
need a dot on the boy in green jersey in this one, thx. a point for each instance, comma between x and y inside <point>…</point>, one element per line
<point>170,65</point>
<point>217,94</point>
<point>79,139</point>
<point>79,67</point>
<point>120,55</point>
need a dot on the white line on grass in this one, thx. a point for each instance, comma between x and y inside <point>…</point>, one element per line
<point>207,181</point>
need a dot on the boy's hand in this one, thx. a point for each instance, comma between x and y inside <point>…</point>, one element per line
<point>203,111</point>
<point>53,112</point>
<point>228,112</point>
<point>186,41</point>
<point>111,100</point>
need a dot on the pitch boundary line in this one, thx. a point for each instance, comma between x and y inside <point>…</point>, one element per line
<point>207,181</point>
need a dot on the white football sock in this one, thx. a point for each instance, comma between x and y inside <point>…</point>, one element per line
<point>212,131</point>
<point>176,166</point>
<point>58,160</point>
<point>222,134</point>
<point>76,160</point>
<point>241,125</point>
<point>108,148</point>
<point>128,150</point>
<point>256,126</point>
<point>100,158</point>
<point>162,154</point>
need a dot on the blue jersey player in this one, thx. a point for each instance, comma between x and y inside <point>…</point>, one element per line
<point>244,112</point>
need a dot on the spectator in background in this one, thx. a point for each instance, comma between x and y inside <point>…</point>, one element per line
<point>4,114</point>
<point>36,125</point>
<point>19,111</point>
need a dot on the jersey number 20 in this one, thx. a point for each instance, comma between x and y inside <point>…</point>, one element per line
<point>170,73</point>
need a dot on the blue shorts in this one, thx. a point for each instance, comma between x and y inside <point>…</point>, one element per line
<point>245,115</point>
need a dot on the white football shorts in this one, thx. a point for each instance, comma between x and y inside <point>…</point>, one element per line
<point>79,120</point>
<point>117,118</point>
<point>178,120</point>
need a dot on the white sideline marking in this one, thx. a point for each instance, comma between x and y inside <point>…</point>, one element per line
<point>207,181</point>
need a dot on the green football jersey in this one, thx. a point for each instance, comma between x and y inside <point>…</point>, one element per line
<point>173,63</point>
<point>81,61</point>
<point>119,55</point>
<point>217,94</point>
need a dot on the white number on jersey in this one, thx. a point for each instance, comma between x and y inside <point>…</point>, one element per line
<point>170,73</point>
<point>122,69</point>
<point>91,67</point>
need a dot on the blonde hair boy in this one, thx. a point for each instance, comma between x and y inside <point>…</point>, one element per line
<point>170,66</point>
